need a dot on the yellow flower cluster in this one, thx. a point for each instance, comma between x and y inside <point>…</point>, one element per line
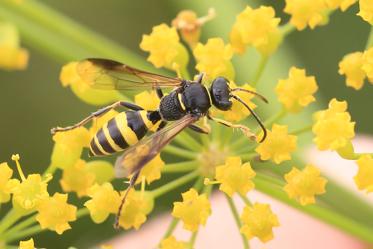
<point>12,56</point>
<point>333,127</point>
<point>297,91</point>
<point>278,145</point>
<point>235,176</point>
<point>304,185</point>
<point>342,4</point>
<point>258,221</point>
<point>164,47</point>
<point>214,58</point>
<point>193,210</point>
<point>352,67</point>
<point>257,28</point>
<point>171,243</point>
<point>364,176</point>
<point>366,10</point>
<point>27,244</point>
<point>306,13</point>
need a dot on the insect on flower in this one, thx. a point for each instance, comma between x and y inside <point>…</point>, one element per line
<point>186,104</point>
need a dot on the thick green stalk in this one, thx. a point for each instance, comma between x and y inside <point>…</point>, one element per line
<point>21,225</point>
<point>180,167</point>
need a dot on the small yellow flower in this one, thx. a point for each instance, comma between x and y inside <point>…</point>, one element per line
<point>12,56</point>
<point>235,176</point>
<point>171,243</point>
<point>342,4</point>
<point>214,58</point>
<point>258,221</point>
<point>238,111</point>
<point>102,170</point>
<point>54,213</point>
<point>77,178</point>
<point>297,91</point>
<point>278,145</point>
<point>352,67</point>
<point>306,12</point>
<point>368,64</point>
<point>366,10</point>
<point>190,25</point>
<point>27,244</point>
<point>304,185</point>
<point>68,147</point>
<point>5,175</point>
<point>364,176</point>
<point>147,100</point>
<point>152,170</point>
<point>332,127</point>
<point>137,206</point>
<point>164,47</point>
<point>193,210</point>
<point>104,201</point>
<point>70,77</point>
<point>258,28</point>
<point>30,191</point>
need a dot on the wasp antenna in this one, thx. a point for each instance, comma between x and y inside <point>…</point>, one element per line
<point>119,213</point>
<point>252,92</point>
<point>255,116</point>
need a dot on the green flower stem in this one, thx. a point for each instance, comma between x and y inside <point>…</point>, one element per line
<point>24,233</point>
<point>189,142</point>
<point>238,221</point>
<point>171,228</point>
<point>176,183</point>
<point>23,224</point>
<point>193,239</point>
<point>262,64</point>
<point>50,170</point>
<point>174,150</point>
<point>370,39</point>
<point>180,167</point>
<point>248,156</point>
<point>302,130</point>
<point>11,217</point>
<point>287,29</point>
<point>246,200</point>
<point>344,223</point>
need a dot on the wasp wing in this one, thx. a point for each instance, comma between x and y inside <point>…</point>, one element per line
<point>137,156</point>
<point>112,75</point>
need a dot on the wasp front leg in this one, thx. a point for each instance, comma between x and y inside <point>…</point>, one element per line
<point>98,114</point>
<point>245,130</point>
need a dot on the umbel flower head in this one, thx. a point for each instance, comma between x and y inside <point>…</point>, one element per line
<point>12,56</point>
<point>306,13</point>
<point>193,210</point>
<point>55,213</point>
<point>352,67</point>
<point>258,221</point>
<point>297,91</point>
<point>30,191</point>
<point>364,176</point>
<point>257,28</point>
<point>214,58</point>
<point>164,47</point>
<point>278,145</point>
<point>304,185</point>
<point>137,206</point>
<point>5,174</point>
<point>171,243</point>
<point>104,201</point>
<point>235,176</point>
<point>333,127</point>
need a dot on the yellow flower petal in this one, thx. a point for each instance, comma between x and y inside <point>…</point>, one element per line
<point>366,10</point>
<point>171,243</point>
<point>352,67</point>
<point>364,176</point>
<point>27,244</point>
<point>5,174</point>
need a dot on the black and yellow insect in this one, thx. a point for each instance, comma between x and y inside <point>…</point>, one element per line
<point>184,105</point>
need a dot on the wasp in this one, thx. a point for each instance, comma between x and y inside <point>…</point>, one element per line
<point>188,102</point>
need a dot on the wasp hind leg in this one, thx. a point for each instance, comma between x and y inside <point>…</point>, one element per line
<point>97,114</point>
<point>130,186</point>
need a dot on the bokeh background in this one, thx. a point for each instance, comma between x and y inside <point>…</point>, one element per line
<point>33,101</point>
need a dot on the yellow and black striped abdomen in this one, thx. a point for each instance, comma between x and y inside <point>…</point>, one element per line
<point>122,131</point>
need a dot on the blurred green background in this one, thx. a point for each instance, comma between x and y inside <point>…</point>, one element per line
<point>33,101</point>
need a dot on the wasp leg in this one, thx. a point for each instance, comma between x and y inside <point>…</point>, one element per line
<point>159,92</point>
<point>98,114</point>
<point>130,186</point>
<point>245,130</point>
<point>199,129</point>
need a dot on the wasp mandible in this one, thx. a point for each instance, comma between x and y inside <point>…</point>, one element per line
<point>184,105</point>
